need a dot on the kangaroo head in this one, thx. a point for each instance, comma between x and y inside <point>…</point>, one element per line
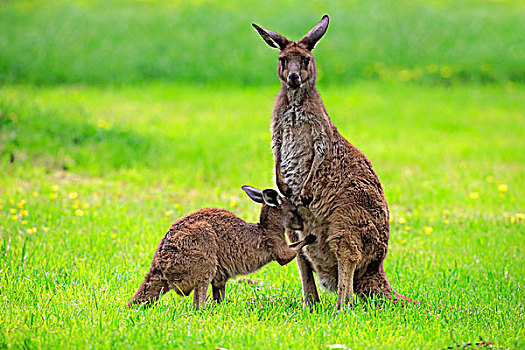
<point>296,64</point>
<point>276,210</point>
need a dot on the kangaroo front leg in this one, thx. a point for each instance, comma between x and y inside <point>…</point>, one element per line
<point>307,189</point>
<point>199,294</point>
<point>345,283</point>
<point>281,185</point>
<point>276,149</point>
<point>297,246</point>
<point>286,253</point>
<point>219,293</point>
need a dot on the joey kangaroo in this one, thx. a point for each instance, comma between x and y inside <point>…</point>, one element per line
<point>213,245</point>
<point>333,183</point>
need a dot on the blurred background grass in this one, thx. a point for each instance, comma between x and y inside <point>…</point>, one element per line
<point>116,42</point>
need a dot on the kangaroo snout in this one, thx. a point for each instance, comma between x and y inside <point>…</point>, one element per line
<point>294,80</point>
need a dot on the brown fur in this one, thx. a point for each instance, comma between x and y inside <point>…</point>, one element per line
<point>333,183</point>
<point>213,245</point>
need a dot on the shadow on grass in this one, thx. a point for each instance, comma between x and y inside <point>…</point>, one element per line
<point>53,140</point>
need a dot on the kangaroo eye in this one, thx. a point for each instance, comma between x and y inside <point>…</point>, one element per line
<point>306,60</point>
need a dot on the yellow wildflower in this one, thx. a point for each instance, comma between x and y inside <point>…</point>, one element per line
<point>391,219</point>
<point>12,211</point>
<point>401,220</point>
<point>1,207</point>
<point>403,241</point>
<point>445,222</point>
<point>75,206</point>
<point>168,213</point>
<point>14,217</point>
<point>29,230</point>
<point>446,72</point>
<point>85,206</point>
<point>233,203</point>
<point>177,206</point>
<point>428,230</point>
<point>11,201</point>
<point>512,219</point>
<point>520,216</point>
<point>54,188</point>
<point>24,213</point>
<point>113,235</point>
<point>407,228</point>
<point>45,229</point>
<point>53,196</point>
<point>73,195</point>
<point>502,188</point>
<point>79,212</point>
<point>474,195</point>
<point>35,194</point>
<point>446,213</point>
<point>21,203</point>
<point>405,75</point>
<point>24,222</point>
<point>103,124</point>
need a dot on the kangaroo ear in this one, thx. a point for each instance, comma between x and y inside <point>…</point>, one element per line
<point>316,33</point>
<point>272,198</point>
<point>273,39</point>
<point>255,194</point>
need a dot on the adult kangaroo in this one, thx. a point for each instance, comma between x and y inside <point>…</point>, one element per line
<point>333,183</point>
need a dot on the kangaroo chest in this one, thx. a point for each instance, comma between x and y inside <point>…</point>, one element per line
<point>296,149</point>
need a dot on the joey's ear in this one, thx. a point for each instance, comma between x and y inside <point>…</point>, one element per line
<point>272,198</point>
<point>316,33</point>
<point>255,194</point>
<point>273,39</point>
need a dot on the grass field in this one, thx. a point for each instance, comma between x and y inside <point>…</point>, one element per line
<point>119,42</point>
<point>77,242</point>
<point>117,117</point>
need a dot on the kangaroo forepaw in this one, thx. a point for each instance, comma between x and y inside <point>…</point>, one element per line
<point>306,199</point>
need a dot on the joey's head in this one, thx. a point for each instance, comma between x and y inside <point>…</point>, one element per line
<point>277,211</point>
<point>296,65</point>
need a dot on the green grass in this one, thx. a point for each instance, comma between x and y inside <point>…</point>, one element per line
<point>163,107</point>
<point>117,42</point>
<point>134,158</point>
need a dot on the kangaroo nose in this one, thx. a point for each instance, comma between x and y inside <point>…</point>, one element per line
<point>294,80</point>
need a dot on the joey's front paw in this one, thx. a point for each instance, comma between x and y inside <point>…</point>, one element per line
<point>310,239</point>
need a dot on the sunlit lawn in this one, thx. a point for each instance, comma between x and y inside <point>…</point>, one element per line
<point>92,177</point>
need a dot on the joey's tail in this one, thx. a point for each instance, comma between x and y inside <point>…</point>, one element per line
<point>151,289</point>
